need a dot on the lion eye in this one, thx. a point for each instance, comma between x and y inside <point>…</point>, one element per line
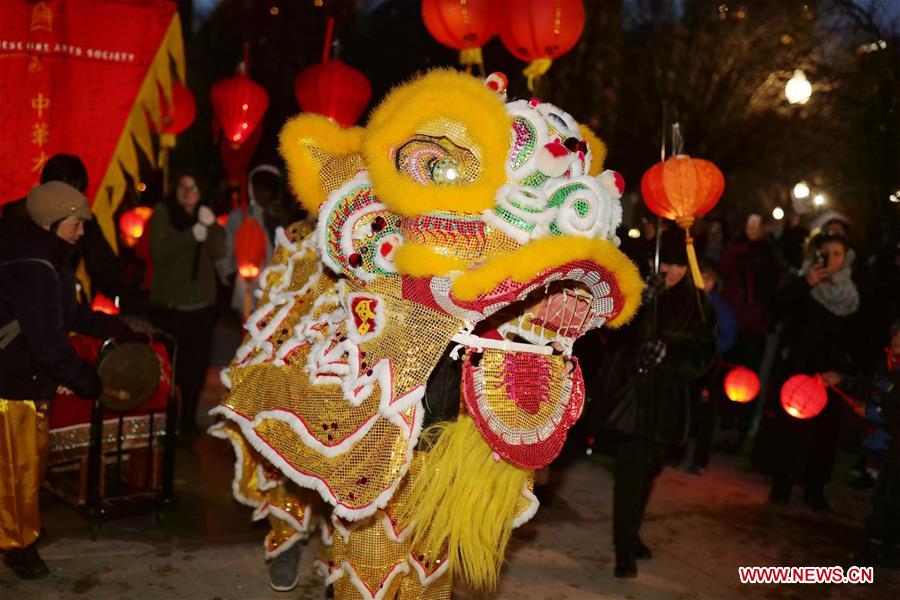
<point>431,161</point>
<point>445,171</point>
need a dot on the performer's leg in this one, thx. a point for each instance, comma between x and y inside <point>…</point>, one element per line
<point>23,458</point>
<point>629,491</point>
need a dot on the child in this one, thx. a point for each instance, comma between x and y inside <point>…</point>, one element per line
<point>883,411</point>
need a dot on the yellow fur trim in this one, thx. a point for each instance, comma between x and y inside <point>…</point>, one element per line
<point>529,261</point>
<point>441,95</point>
<point>598,150</point>
<point>465,501</point>
<point>420,261</point>
<point>306,143</point>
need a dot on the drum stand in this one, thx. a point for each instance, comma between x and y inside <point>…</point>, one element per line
<point>98,505</point>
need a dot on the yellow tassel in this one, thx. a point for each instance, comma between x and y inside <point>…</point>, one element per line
<point>464,501</point>
<point>685,223</point>
<point>536,69</point>
<point>471,56</point>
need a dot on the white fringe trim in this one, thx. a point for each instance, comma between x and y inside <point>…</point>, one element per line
<point>530,511</point>
<point>424,578</point>
<point>216,431</point>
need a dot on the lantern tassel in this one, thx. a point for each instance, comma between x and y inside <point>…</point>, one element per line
<point>535,70</point>
<point>686,223</point>
<point>692,261</point>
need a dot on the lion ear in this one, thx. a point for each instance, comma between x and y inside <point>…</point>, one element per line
<point>598,150</point>
<point>320,155</point>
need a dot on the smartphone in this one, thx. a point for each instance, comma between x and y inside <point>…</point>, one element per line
<point>821,259</point>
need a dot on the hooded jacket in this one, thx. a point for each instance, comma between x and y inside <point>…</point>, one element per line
<point>38,308</point>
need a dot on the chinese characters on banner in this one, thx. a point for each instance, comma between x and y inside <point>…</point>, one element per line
<point>81,77</point>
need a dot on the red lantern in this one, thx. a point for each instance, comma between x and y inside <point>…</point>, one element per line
<point>333,89</point>
<point>239,104</point>
<point>539,31</point>
<point>464,25</point>
<point>235,160</point>
<point>249,248</point>
<point>803,397</point>
<point>132,224</point>
<point>103,304</point>
<point>683,188</point>
<point>741,385</point>
<point>179,116</point>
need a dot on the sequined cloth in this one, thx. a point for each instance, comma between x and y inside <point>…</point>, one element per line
<point>23,461</point>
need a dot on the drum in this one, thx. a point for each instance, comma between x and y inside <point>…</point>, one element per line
<point>130,372</point>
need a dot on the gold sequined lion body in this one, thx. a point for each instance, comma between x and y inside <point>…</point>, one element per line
<point>455,224</point>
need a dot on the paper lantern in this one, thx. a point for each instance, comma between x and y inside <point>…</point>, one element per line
<point>235,160</point>
<point>333,89</point>
<point>249,248</point>
<point>683,188</point>
<point>539,31</point>
<point>803,397</point>
<point>132,224</point>
<point>103,304</point>
<point>239,104</point>
<point>179,116</point>
<point>741,385</point>
<point>464,25</point>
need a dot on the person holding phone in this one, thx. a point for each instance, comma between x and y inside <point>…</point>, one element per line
<point>818,312</point>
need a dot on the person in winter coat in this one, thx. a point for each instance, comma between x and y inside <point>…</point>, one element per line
<point>751,274</point>
<point>38,308</point>
<point>640,392</point>
<point>883,412</point>
<point>185,242</point>
<point>818,311</point>
<point>100,262</point>
<point>707,391</point>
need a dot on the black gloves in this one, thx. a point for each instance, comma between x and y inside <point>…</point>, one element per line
<point>651,353</point>
<point>655,285</point>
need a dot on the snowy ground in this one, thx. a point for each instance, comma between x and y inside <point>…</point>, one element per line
<point>700,531</point>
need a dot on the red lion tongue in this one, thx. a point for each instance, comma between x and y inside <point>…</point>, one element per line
<point>527,380</point>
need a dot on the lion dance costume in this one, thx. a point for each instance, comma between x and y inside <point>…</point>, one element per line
<point>453,228</point>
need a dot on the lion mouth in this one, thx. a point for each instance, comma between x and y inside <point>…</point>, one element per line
<point>548,315</point>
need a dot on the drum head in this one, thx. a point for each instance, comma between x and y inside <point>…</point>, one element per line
<point>130,374</point>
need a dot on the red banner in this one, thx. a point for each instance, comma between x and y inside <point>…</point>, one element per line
<point>76,76</point>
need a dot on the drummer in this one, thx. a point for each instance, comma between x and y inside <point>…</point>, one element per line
<point>38,309</point>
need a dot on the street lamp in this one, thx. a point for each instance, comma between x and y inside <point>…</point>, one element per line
<point>798,89</point>
<point>801,190</point>
<point>819,199</point>
<point>778,213</point>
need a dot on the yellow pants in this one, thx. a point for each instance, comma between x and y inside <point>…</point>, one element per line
<point>23,460</point>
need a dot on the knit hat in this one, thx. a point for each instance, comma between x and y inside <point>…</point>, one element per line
<point>53,201</point>
<point>672,249</point>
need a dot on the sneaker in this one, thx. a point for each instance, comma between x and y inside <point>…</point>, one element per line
<point>26,563</point>
<point>284,569</point>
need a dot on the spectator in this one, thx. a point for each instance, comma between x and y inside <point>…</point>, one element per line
<point>707,392</point>
<point>100,262</point>
<point>185,242</point>
<point>38,308</point>
<point>751,273</point>
<point>818,310</point>
<point>262,190</point>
